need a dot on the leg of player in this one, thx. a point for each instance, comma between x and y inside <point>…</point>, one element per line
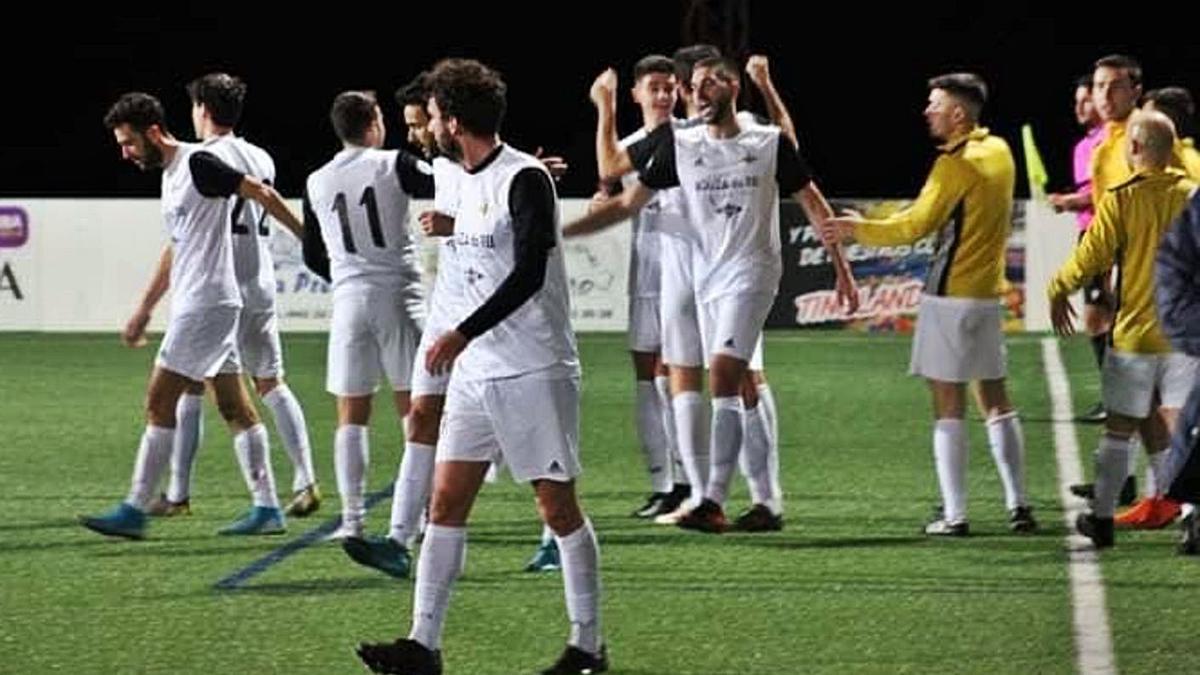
<point>950,457</point>
<point>1007,442</point>
<point>293,431</point>
<point>651,435</point>
<point>726,374</point>
<point>254,457</point>
<point>1112,461</point>
<point>189,434</point>
<point>759,459</point>
<point>351,457</point>
<point>681,488</point>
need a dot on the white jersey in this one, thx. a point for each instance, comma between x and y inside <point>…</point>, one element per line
<point>731,191</point>
<point>202,273</point>
<point>537,336</point>
<point>252,261</point>
<point>446,302</point>
<point>645,272</point>
<point>361,199</point>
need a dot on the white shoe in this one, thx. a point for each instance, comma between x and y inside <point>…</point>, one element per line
<point>345,531</point>
<point>674,517</point>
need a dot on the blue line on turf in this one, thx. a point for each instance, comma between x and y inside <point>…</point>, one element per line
<point>313,536</point>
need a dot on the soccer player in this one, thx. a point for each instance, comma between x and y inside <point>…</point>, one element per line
<point>359,203</point>
<point>201,339</point>
<point>1177,104</point>
<point>217,102</point>
<point>513,354</point>
<point>967,200</point>
<point>1129,224</point>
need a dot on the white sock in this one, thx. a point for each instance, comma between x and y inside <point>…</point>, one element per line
<point>662,383</point>
<point>755,459</point>
<point>547,535</point>
<point>1157,478</point>
<point>1112,467</point>
<point>1135,451</point>
<point>410,493</point>
<point>690,426</point>
<point>351,457</point>
<point>293,431</point>
<point>950,455</point>
<point>254,455</point>
<point>726,442</point>
<point>581,585</point>
<point>442,555</point>
<point>766,406</point>
<point>1008,450</point>
<point>189,434</point>
<point>653,439</point>
<point>154,451</point>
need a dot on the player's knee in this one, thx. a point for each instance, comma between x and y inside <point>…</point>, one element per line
<point>236,413</point>
<point>424,417</point>
<point>159,411</point>
<point>265,385</point>
<point>447,509</point>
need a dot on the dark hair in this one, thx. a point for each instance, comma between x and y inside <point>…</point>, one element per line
<point>723,65</point>
<point>1177,104</point>
<point>221,94</point>
<point>470,92</point>
<point>968,88</point>
<point>1084,81</point>
<point>653,63</point>
<point>352,114</point>
<point>137,109</point>
<point>415,92</point>
<point>686,58</point>
<point>1122,62</point>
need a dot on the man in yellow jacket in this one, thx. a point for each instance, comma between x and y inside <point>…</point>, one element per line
<point>1140,369</point>
<point>967,200</point>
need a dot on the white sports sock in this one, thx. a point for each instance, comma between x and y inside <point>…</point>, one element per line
<point>1158,480</point>
<point>755,459</point>
<point>1112,467</point>
<point>189,434</point>
<point>1135,451</point>
<point>663,384</point>
<point>766,406</point>
<point>154,451</point>
<point>690,426</point>
<point>351,457</point>
<point>652,439</point>
<point>442,556</point>
<point>581,585</point>
<point>293,431</point>
<point>726,442</point>
<point>950,455</point>
<point>253,451</point>
<point>410,493</point>
<point>1008,450</point>
<point>547,535</point>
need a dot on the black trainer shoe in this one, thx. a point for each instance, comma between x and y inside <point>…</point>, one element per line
<point>1129,492</point>
<point>707,517</point>
<point>679,494</point>
<point>1189,531</point>
<point>944,528</point>
<point>575,661</point>
<point>402,657</point>
<point>1094,415</point>
<point>1099,530</point>
<point>653,506</point>
<point>758,519</point>
<point>1021,520</point>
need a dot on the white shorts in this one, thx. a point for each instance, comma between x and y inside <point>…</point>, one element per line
<point>682,341</point>
<point>201,343</point>
<point>645,325</point>
<point>958,340</point>
<point>529,423</point>
<point>732,325</point>
<point>425,383</point>
<point>371,332</point>
<point>258,343</point>
<point>1129,381</point>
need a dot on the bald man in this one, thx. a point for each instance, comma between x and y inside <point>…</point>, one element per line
<point>1129,224</point>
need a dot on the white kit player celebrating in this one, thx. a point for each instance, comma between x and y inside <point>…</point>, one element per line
<point>201,339</point>
<point>514,392</point>
<point>358,202</point>
<point>217,103</point>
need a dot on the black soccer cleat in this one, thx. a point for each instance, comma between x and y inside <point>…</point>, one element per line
<point>575,661</point>
<point>758,518</point>
<point>1021,520</point>
<point>1099,530</point>
<point>402,657</point>
<point>654,506</point>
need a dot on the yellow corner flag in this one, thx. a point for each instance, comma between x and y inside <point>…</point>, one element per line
<point>1034,169</point>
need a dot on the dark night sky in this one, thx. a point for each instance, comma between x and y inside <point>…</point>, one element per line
<point>854,79</point>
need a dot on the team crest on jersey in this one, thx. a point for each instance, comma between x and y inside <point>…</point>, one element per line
<point>728,209</point>
<point>473,275</point>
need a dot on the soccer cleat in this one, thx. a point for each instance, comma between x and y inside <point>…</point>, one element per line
<point>758,518</point>
<point>381,553</point>
<point>402,657</point>
<point>673,517</point>
<point>346,530</point>
<point>654,506</point>
<point>679,494</point>
<point>1129,492</point>
<point>1099,530</point>
<point>944,528</point>
<point>305,502</point>
<point>545,559</point>
<point>1094,415</point>
<point>1084,490</point>
<point>1151,513</point>
<point>708,517</point>
<point>1021,520</point>
<point>575,661</point>
<point>124,521</point>
<point>161,507</point>
<point>1189,534</point>
<point>259,520</point>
